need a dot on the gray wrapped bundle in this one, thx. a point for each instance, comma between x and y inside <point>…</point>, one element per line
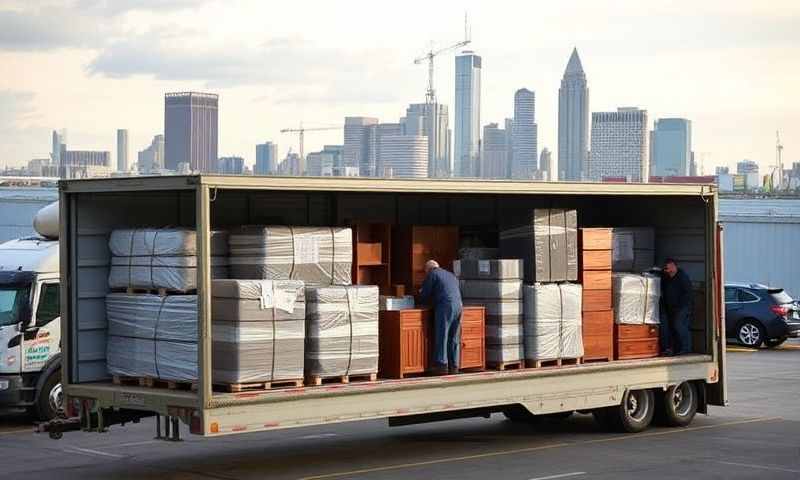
<point>548,245</point>
<point>478,253</point>
<point>512,352</point>
<point>553,321</point>
<point>636,298</point>
<point>633,249</point>
<point>258,330</point>
<point>491,289</point>
<point>314,255</point>
<point>504,334</point>
<point>162,258</point>
<point>504,269</point>
<point>341,331</point>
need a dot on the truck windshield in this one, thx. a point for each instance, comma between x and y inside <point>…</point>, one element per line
<point>12,301</point>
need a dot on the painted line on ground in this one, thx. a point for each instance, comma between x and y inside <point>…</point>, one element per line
<point>90,452</point>
<point>741,350</point>
<point>132,444</point>
<point>560,475</point>
<point>317,436</point>
<point>760,467</point>
<point>402,466</point>
<point>21,430</point>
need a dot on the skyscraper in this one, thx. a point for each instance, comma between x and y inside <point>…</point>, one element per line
<point>671,147</point>
<point>326,163</point>
<point>266,159</point>
<point>230,165</point>
<point>546,164</point>
<point>122,150</point>
<point>524,135</point>
<point>430,120</point>
<point>191,130</point>
<point>404,156</point>
<point>495,158</point>
<point>356,144</point>
<point>467,115</point>
<point>573,121</point>
<point>619,145</point>
<point>151,159</point>
<point>376,132</point>
<point>59,139</point>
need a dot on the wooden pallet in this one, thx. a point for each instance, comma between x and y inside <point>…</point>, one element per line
<point>257,386</point>
<point>556,362</point>
<point>597,360</point>
<point>518,365</point>
<point>316,380</point>
<point>571,361</point>
<point>153,383</point>
<point>161,292</point>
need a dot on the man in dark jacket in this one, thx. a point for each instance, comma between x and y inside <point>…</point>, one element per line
<point>676,310</point>
<point>441,289</point>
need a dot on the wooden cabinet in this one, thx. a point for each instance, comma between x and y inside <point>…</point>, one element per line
<point>412,246</point>
<point>635,341</point>
<point>598,337</point>
<point>473,345</point>
<point>372,255</point>
<point>595,275</point>
<point>404,342</point>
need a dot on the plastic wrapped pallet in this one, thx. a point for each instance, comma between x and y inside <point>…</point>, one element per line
<point>636,298</point>
<point>633,249</point>
<point>505,353</point>
<point>552,321</point>
<point>548,244</point>
<point>505,269</point>
<point>341,331</point>
<point>131,357</point>
<point>396,303</point>
<point>315,255</point>
<point>162,258</point>
<point>258,330</point>
<point>491,289</point>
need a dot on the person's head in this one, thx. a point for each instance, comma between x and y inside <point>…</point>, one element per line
<point>670,267</point>
<point>430,265</point>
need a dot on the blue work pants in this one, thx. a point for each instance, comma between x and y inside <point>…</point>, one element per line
<point>447,335</point>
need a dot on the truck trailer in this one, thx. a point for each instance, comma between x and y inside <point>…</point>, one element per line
<point>624,394</point>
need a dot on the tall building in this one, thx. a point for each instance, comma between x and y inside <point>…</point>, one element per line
<point>494,157</point>
<point>619,145</point>
<point>122,150</point>
<point>151,159</point>
<point>546,165</point>
<point>573,122</point>
<point>356,144</point>
<point>376,132</point>
<point>59,139</point>
<point>266,159</point>
<point>467,119</point>
<point>431,120</point>
<point>326,163</point>
<point>524,135</point>
<point>723,171</point>
<point>84,163</point>
<point>191,131</point>
<point>404,156</point>
<point>671,147</point>
<point>290,165</point>
<point>230,165</point>
<point>746,166</point>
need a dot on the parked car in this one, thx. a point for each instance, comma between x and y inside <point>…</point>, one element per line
<point>756,314</point>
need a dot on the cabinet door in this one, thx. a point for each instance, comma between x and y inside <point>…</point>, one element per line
<point>413,342</point>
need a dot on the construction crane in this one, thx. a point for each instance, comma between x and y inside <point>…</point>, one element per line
<point>430,95</point>
<point>301,132</point>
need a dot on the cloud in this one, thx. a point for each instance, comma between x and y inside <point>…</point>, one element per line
<point>18,129</point>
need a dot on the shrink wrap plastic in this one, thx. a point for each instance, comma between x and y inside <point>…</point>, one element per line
<point>162,258</point>
<point>633,249</point>
<point>636,298</point>
<point>341,331</point>
<point>315,255</point>
<point>491,289</point>
<point>506,269</point>
<point>396,303</point>
<point>504,353</point>
<point>258,330</point>
<point>552,321</point>
<point>548,245</point>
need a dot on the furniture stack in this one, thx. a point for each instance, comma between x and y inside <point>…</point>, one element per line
<point>497,286</point>
<point>636,315</point>
<point>547,243</point>
<point>633,249</point>
<point>595,275</point>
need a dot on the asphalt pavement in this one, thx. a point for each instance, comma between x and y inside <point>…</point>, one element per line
<point>757,436</point>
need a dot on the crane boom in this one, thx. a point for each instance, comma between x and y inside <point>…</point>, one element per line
<point>301,132</point>
<point>430,95</point>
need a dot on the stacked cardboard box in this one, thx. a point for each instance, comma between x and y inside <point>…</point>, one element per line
<point>636,315</point>
<point>496,285</point>
<point>258,331</point>
<point>552,322</point>
<point>547,243</point>
<point>633,249</point>
<point>595,274</point>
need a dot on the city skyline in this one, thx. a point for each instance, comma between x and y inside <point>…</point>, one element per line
<point>122,76</point>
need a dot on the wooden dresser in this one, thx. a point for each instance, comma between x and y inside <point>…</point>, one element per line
<point>635,341</point>
<point>595,276</point>
<point>473,344</point>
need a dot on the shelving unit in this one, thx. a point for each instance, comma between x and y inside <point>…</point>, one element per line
<point>372,254</point>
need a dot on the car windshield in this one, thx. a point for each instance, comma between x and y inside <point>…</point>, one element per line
<point>12,300</point>
<point>780,297</point>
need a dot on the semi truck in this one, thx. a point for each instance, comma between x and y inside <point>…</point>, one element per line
<point>625,395</point>
<point>30,328</point>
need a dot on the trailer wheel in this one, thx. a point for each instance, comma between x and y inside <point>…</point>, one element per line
<point>633,415</point>
<point>50,399</point>
<point>677,406</point>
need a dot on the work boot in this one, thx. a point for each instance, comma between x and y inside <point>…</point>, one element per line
<point>453,371</point>
<point>437,370</point>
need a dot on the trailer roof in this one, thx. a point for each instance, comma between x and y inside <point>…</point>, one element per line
<point>392,185</point>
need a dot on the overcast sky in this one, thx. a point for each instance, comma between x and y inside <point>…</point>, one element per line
<point>92,66</point>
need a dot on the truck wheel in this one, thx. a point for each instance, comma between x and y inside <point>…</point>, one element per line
<point>50,399</point>
<point>634,414</point>
<point>677,406</point>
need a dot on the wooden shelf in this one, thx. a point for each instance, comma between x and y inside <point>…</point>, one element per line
<point>372,249</point>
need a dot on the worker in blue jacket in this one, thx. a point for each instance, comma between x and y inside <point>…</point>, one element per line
<point>441,289</point>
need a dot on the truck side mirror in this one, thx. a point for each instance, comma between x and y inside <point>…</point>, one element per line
<point>25,314</point>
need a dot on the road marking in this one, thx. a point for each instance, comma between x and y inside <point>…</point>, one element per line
<point>741,350</point>
<point>21,430</point>
<point>90,452</point>
<point>133,444</point>
<point>401,466</point>
<point>317,435</point>
<point>761,467</point>
<point>560,475</point>
<point>789,347</point>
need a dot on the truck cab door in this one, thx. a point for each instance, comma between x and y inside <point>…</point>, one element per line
<point>41,338</point>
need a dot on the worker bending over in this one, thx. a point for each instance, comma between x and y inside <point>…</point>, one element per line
<point>441,289</point>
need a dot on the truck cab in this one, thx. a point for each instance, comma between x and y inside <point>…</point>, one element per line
<point>30,327</point>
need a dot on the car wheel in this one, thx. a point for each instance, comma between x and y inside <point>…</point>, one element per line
<point>775,342</point>
<point>750,333</point>
<point>677,406</point>
<point>634,414</point>
<point>50,400</point>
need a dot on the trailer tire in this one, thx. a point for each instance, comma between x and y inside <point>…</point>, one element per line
<point>677,405</point>
<point>49,400</point>
<point>634,414</point>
